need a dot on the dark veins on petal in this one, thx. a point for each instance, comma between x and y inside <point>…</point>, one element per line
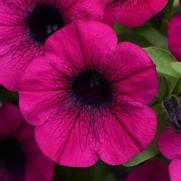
<point>12,157</point>
<point>92,88</point>
<point>44,20</point>
<point>173,107</point>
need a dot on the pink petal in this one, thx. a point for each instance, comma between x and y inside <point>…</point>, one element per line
<point>12,124</point>
<point>39,168</point>
<point>129,131</point>
<point>67,139</point>
<point>82,9</point>
<point>14,64</point>
<point>35,94</point>
<point>17,47</point>
<point>170,144</point>
<point>174,170</point>
<point>76,42</point>
<point>132,13</point>
<point>150,171</point>
<point>174,37</point>
<point>136,78</point>
<point>74,137</point>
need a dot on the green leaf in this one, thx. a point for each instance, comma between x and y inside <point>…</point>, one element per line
<point>163,60</point>
<point>117,28</point>
<point>177,89</point>
<point>176,66</point>
<point>135,38</point>
<point>176,3</point>
<point>171,84</point>
<point>152,35</point>
<point>163,88</point>
<point>144,36</point>
<point>168,10</point>
<point>169,71</point>
<point>162,118</point>
<point>147,154</point>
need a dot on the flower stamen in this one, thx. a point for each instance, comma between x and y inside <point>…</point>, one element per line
<point>92,88</point>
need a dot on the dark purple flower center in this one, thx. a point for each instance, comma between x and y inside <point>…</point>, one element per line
<point>44,20</point>
<point>173,107</point>
<point>92,88</point>
<point>12,157</point>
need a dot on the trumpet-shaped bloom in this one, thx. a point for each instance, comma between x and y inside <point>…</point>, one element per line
<point>20,157</point>
<point>89,96</point>
<point>26,24</point>
<point>132,13</point>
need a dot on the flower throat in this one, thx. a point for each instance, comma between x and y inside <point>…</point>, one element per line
<point>90,87</point>
<point>44,20</point>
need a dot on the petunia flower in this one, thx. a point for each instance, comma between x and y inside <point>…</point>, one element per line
<point>20,157</point>
<point>170,146</point>
<point>132,13</point>
<point>26,24</point>
<point>88,97</point>
<point>174,38</point>
<point>153,171</point>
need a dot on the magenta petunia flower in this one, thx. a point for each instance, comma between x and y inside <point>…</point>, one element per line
<point>152,171</point>
<point>26,24</point>
<point>88,96</point>
<point>170,146</point>
<point>20,157</point>
<point>132,13</point>
<point>174,37</point>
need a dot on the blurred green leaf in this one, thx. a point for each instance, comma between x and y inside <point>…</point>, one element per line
<point>168,10</point>
<point>163,60</point>
<point>163,88</point>
<point>110,177</point>
<point>177,89</point>
<point>144,36</point>
<point>169,71</point>
<point>153,36</point>
<point>117,28</point>
<point>171,82</point>
<point>162,118</point>
<point>176,66</point>
<point>135,38</point>
<point>147,154</point>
